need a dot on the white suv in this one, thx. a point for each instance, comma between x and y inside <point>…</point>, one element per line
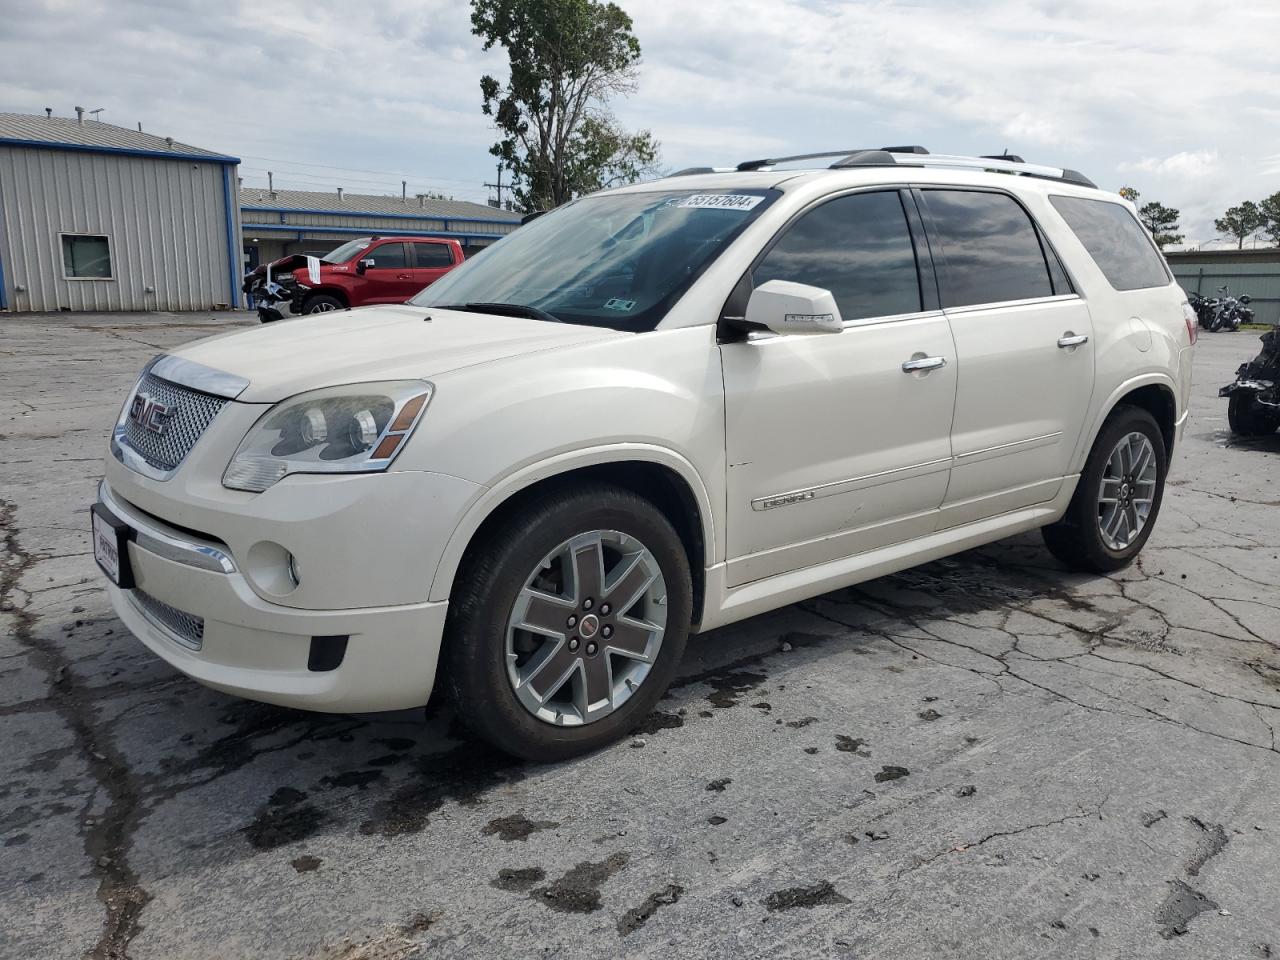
<point>653,411</point>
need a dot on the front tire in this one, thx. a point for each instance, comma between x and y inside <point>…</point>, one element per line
<point>322,303</point>
<point>1117,498</point>
<point>567,623</point>
<point>1248,418</point>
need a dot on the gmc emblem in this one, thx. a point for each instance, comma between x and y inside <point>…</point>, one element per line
<point>150,415</point>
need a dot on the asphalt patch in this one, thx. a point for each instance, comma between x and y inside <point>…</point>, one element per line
<point>717,786</point>
<point>516,827</point>
<point>638,916</point>
<point>1180,907</point>
<point>820,894</point>
<point>284,818</point>
<point>518,879</point>
<point>888,773</point>
<point>578,891</point>
<point>852,745</point>
<point>729,687</point>
<point>659,720</point>
<point>305,863</point>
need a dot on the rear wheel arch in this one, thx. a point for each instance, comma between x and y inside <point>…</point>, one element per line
<point>1155,395</point>
<point>674,490</point>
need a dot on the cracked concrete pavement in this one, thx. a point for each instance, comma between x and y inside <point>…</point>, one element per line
<point>985,756</point>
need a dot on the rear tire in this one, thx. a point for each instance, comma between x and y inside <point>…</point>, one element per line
<point>1090,536</point>
<point>479,660</point>
<point>322,303</point>
<point>1248,418</point>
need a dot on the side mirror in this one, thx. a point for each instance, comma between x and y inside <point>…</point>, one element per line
<point>363,265</point>
<point>785,307</point>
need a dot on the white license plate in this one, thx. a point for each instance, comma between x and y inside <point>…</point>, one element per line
<point>106,548</point>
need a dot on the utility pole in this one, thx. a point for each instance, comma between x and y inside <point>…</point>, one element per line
<point>498,187</point>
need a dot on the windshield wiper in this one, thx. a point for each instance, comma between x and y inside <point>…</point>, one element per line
<point>503,310</point>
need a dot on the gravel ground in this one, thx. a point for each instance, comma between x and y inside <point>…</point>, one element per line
<point>986,756</point>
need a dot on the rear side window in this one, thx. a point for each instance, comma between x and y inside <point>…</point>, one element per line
<point>858,247</point>
<point>1116,241</point>
<point>431,255</point>
<point>991,250</point>
<point>389,256</point>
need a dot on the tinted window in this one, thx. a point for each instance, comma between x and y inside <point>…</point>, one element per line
<point>86,257</point>
<point>990,250</point>
<point>1116,241</point>
<point>389,256</point>
<point>431,255</point>
<point>859,248</point>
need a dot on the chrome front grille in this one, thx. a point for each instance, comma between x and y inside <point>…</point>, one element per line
<point>185,628</point>
<point>192,412</point>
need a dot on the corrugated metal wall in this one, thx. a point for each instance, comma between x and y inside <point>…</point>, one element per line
<point>371,222</point>
<point>166,221</point>
<point>1259,279</point>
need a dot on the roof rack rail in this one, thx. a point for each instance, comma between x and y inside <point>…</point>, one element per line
<point>918,156</point>
<point>1006,164</point>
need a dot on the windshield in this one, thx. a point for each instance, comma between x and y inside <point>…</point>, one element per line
<point>611,260</point>
<point>345,252</point>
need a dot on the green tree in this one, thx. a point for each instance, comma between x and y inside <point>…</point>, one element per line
<point>1240,222</point>
<point>1270,211</point>
<point>568,59</point>
<point>1162,221</point>
<point>1129,193</point>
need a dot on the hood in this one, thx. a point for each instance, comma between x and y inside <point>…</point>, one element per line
<point>374,343</point>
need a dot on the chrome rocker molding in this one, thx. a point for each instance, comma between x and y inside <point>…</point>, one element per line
<point>898,473</point>
<point>166,542</point>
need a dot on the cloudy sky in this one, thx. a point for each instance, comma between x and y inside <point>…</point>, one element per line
<point>1180,98</point>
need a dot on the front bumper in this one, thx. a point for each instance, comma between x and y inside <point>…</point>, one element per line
<point>192,606</point>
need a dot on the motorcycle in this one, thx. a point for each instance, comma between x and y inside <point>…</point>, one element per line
<point>1254,406</point>
<point>1223,312</point>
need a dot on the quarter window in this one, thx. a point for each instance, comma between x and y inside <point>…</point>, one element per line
<point>858,247</point>
<point>1116,241</point>
<point>432,255</point>
<point>389,256</point>
<point>86,257</point>
<point>991,251</point>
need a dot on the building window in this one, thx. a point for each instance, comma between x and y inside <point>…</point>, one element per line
<point>85,257</point>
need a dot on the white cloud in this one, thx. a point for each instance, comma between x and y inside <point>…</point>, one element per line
<point>1122,91</point>
<point>1186,165</point>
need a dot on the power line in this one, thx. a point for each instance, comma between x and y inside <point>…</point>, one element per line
<point>328,166</point>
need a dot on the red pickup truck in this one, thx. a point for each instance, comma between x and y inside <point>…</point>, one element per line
<point>360,272</point>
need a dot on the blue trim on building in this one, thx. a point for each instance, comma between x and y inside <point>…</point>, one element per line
<point>364,231</point>
<point>4,301</point>
<point>119,151</point>
<point>386,216</point>
<point>233,242</point>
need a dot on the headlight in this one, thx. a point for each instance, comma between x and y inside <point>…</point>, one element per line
<point>358,428</point>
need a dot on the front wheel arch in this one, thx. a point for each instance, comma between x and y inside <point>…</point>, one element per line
<point>667,482</point>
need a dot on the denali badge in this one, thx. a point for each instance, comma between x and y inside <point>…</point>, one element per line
<point>782,500</point>
<point>149,414</point>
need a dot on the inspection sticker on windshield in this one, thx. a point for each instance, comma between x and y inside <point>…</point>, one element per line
<point>722,201</point>
<point>617,303</point>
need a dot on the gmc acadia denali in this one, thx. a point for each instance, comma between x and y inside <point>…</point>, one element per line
<point>654,411</point>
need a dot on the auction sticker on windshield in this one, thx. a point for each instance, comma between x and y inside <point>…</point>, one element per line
<point>722,201</point>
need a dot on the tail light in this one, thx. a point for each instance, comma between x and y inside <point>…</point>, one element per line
<point>1192,321</point>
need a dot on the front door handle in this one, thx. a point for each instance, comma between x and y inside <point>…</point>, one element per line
<point>403,276</point>
<point>923,363</point>
<point>1073,340</point>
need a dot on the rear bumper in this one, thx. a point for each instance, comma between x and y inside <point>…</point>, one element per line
<point>193,608</point>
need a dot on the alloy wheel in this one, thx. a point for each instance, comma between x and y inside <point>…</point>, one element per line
<point>1127,491</point>
<point>586,628</point>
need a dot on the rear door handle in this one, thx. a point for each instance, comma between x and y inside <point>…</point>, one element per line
<point>1073,340</point>
<point>923,363</point>
<point>403,276</point>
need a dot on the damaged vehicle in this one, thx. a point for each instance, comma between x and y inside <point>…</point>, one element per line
<point>1254,406</point>
<point>361,272</point>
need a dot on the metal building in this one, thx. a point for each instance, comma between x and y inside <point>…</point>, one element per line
<point>1255,272</point>
<point>278,223</point>
<point>99,217</point>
